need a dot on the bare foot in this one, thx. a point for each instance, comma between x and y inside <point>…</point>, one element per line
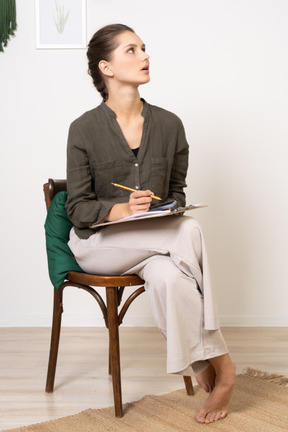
<point>216,405</point>
<point>206,379</point>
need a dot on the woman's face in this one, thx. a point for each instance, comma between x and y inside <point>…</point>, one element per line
<point>130,63</point>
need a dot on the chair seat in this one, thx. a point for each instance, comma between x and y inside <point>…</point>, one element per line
<point>104,281</point>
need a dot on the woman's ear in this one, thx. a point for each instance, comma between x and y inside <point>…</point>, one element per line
<point>104,67</point>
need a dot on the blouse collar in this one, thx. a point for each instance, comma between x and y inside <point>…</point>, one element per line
<point>111,113</point>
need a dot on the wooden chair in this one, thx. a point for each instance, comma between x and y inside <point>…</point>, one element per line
<point>113,317</point>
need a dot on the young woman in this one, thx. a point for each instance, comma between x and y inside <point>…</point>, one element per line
<point>128,141</point>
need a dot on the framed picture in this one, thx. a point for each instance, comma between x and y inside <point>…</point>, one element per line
<point>60,24</point>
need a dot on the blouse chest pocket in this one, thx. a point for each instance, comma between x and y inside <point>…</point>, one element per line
<point>159,175</point>
<point>104,174</point>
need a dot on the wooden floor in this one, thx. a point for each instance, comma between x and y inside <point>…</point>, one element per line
<point>82,380</point>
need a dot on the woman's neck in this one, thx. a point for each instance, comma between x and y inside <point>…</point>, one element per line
<point>127,104</point>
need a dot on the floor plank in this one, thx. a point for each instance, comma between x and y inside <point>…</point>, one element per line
<point>82,380</point>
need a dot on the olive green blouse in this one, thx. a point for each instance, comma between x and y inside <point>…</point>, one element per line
<point>98,154</point>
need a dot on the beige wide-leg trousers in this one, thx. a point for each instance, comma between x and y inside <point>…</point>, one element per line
<point>169,253</point>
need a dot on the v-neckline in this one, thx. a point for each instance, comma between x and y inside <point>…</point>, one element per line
<point>119,132</point>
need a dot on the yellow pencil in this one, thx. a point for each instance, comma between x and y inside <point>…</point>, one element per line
<point>133,190</point>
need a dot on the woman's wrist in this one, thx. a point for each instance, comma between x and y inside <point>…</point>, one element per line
<point>118,211</point>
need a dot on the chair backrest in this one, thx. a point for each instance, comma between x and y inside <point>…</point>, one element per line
<point>52,188</point>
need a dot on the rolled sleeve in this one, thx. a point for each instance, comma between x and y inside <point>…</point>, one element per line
<point>82,205</point>
<point>179,169</point>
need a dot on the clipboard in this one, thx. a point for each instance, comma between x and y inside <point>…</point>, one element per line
<point>150,215</point>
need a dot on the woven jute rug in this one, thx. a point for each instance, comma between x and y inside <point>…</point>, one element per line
<point>259,403</point>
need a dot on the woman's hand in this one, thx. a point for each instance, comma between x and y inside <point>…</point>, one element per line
<point>139,202</point>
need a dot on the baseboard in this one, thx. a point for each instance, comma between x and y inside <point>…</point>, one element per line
<point>253,320</point>
<point>70,320</point>
<point>92,320</point>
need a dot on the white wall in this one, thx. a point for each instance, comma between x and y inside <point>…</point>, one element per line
<point>222,67</point>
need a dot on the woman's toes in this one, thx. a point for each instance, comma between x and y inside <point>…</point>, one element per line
<point>201,417</point>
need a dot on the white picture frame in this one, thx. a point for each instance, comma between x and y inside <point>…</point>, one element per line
<point>60,24</point>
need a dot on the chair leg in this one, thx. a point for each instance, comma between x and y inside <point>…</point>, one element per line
<point>188,385</point>
<point>113,327</point>
<point>54,344</point>
<point>109,360</point>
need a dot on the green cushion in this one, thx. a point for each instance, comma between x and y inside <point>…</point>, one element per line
<point>57,229</point>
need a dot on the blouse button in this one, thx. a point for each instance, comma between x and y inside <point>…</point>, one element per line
<point>136,164</point>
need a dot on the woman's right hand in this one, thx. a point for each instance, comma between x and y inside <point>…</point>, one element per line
<point>139,202</point>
